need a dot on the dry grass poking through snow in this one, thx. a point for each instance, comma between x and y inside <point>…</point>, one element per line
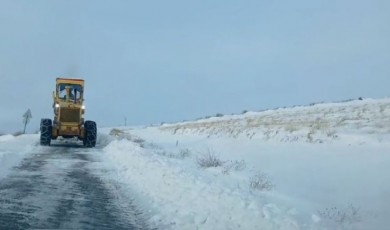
<point>341,216</point>
<point>262,182</point>
<point>234,166</point>
<point>313,124</point>
<point>118,133</point>
<point>209,159</point>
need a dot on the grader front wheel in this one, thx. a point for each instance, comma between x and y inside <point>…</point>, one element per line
<point>46,129</point>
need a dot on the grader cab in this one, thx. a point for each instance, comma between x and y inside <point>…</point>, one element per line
<point>69,111</point>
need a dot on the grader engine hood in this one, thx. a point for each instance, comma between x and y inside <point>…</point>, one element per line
<point>70,114</point>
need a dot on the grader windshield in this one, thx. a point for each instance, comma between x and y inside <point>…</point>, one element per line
<point>70,92</point>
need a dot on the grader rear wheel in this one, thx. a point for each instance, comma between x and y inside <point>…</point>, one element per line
<point>90,134</point>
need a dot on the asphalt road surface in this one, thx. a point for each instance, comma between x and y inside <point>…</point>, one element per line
<point>62,187</point>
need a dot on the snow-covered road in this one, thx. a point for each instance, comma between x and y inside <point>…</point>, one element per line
<point>61,187</point>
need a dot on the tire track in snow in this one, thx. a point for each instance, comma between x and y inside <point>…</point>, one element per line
<point>56,188</point>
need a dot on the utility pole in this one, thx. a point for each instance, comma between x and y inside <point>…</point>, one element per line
<point>26,119</point>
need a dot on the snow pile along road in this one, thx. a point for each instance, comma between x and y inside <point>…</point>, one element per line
<point>188,201</point>
<point>13,150</point>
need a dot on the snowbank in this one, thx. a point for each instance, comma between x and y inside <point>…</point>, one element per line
<point>14,149</point>
<point>185,200</point>
<point>6,137</point>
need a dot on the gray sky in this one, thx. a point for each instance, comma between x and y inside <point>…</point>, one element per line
<point>163,61</point>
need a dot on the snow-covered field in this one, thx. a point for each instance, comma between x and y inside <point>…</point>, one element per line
<point>317,167</point>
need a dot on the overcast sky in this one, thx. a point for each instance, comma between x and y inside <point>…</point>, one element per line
<point>164,61</point>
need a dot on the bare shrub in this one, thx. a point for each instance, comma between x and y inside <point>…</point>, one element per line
<point>162,152</point>
<point>342,121</point>
<point>350,214</point>
<point>291,128</point>
<point>124,135</point>
<point>151,145</point>
<point>310,135</point>
<point>209,159</point>
<point>234,165</point>
<point>261,181</point>
<point>267,134</point>
<point>331,133</point>
<point>137,140</point>
<point>183,153</point>
<point>320,124</point>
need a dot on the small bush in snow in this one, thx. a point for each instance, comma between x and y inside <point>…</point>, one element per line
<point>219,115</point>
<point>331,133</point>
<point>234,165</point>
<point>124,135</point>
<point>310,135</point>
<point>163,153</point>
<point>151,145</point>
<point>262,182</point>
<point>291,128</point>
<point>209,159</point>
<point>183,153</point>
<point>116,132</point>
<point>137,140</point>
<point>350,214</point>
<point>342,121</point>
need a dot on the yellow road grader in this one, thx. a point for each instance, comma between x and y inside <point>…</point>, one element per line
<point>69,111</point>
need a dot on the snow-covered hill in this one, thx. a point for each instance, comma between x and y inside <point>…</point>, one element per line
<point>357,120</point>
